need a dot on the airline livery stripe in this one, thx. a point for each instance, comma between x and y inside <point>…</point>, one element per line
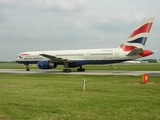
<point>24,54</point>
<point>127,48</point>
<point>143,29</point>
<point>141,40</point>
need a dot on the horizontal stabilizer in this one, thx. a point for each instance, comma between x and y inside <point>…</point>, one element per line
<point>135,51</point>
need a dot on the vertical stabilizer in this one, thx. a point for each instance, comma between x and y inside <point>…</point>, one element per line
<point>139,36</point>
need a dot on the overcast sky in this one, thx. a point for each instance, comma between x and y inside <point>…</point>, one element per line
<point>29,25</point>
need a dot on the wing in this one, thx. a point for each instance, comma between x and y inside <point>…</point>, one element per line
<point>55,59</point>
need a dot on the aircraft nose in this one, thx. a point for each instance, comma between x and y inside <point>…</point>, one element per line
<point>17,59</point>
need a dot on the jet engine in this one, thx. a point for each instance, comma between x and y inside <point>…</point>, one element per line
<point>46,65</point>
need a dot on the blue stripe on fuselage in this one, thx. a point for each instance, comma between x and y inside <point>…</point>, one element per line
<point>83,62</point>
<point>79,62</point>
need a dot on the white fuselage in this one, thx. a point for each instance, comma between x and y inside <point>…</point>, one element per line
<point>115,54</point>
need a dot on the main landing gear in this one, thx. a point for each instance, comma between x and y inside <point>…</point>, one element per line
<point>27,68</point>
<point>81,69</point>
<point>66,70</point>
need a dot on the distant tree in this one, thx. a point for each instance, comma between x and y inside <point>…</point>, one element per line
<point>150,60</point>
<point>7,61</point>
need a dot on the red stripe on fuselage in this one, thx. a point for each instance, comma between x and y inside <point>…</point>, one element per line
<point>24,54</point>
<point>143,29</point>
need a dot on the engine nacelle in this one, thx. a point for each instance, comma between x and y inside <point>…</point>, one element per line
<point>46,65</point>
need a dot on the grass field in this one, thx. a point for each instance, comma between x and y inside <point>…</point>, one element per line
<point>150,66</point>
<point>61,97</point>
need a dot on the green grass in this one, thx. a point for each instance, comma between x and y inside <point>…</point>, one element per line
<point>61,97</point>
<point>150,66</point>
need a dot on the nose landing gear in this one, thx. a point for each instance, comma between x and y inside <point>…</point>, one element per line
<point>27,68</point>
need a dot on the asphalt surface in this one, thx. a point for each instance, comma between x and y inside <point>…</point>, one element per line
<point>87,72</point>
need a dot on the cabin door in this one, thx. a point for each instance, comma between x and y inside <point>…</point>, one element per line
<point>116,54</point>
<point>87,55</point>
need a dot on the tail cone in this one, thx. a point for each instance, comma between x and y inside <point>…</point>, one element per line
<point>146,53</point>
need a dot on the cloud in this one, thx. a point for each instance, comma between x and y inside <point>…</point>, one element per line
<point>71,24</point>
<point>64,5</point>
<point>4,15</point>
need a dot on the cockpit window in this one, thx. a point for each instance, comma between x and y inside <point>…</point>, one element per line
<point>19,56</point>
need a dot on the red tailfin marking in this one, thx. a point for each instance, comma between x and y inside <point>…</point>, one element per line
<point>127,48</point>
<point>143,29</point>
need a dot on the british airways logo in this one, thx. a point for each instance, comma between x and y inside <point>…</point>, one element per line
<point>137,38</point>
<point>23,55</point>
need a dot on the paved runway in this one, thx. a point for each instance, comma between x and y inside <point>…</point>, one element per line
<point>87,72</point>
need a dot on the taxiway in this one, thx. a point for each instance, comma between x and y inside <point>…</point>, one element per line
<point>87,72</point>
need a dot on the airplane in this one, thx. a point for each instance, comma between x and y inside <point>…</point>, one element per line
<point>158,61</point>
<point>131,49</point>
<point>132,61</point>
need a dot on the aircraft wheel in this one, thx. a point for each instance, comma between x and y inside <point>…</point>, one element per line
<point>66,70</point>
<point>27,69</point>
<point>80,69</point>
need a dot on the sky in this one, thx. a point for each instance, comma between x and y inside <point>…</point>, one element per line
<point>35,25</point>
